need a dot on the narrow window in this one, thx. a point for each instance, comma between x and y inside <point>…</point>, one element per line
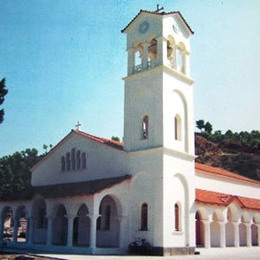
<point>107,217</point>
<point>78,159</point>
<point>177,217</point>
<point>63,163</point>
<point>84,161</point>
<point>177,127</point>
<point>73,160</point>
<point>145,126</point>
<point>144,217</point>
<point>68,161</point>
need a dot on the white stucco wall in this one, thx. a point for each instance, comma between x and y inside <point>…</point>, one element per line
<point>102,162</point>
<point>226,185</point>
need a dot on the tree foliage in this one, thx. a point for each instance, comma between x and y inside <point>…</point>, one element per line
<point>15,172</point>
<point>3,92</point>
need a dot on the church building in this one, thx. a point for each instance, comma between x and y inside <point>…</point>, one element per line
<point>92,195</point>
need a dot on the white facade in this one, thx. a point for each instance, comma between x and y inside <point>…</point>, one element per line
<point>95,196</point>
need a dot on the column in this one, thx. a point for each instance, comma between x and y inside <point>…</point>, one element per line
<point>70,230</point>
<point>145,57</point>
<point>248,234</point>
<point>162,51</point>
<point>15,229</point>
<point>222,234</point>
<point>93,230</point>
<point>206,224</point>
<point>49,231</point>
<point>131,61</point>
<point>122,229</point>
<point>236,234</point>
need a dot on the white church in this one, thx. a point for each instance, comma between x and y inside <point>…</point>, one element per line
<point>95,196</point>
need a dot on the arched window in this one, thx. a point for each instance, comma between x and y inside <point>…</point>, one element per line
<point>68,161</point>
<point>177,225</point>
<point>78,159</point>
<point>139,57</point>
<point>144,217</point>
<point>177,127</point>
<point>145,127</point>
<point>73,160</point>
<point>63,163</point>
<point>84,160</point>
<point>152,50</point>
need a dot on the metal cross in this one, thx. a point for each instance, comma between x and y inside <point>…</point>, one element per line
<point>158,8</point>
<point>78,125</point>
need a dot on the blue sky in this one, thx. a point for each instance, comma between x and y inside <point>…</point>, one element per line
<point>64,62</point>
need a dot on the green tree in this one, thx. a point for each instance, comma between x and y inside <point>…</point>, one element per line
<point>200,124</point>
<point>3,92</point>
<point>15,172</point>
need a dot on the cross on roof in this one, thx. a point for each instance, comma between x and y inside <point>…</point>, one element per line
<point>158,8</point>
<point>78,125</point>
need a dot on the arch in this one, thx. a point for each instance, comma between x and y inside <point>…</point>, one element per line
<point>215,229</point>
<point>81,227</point>
<point>108,226</point>
<point>7,220</point>
<point>60,225</point>
<point>200,237</point>
<point>229,226</point>
<point>183,119</point>
<point>145,127</point>
<point>21,217</point>
<point>185,215</point>
<point>181,57</point>
<point>171,51</point>
<point>242,229</point>
<point>39,225</point>
<point>152,49</point>
<point>254,233</point>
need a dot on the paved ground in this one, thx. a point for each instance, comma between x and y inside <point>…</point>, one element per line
<point>205,254</point>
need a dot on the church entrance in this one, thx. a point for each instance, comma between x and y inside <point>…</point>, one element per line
<point>108,226</point>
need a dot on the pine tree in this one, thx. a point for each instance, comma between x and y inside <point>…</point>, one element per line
<point>3,92</point>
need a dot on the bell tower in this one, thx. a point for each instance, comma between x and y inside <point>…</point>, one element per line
<point>158,87</point>
<point>158,129</point>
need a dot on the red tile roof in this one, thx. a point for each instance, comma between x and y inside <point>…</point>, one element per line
<point>222,199</point>
<point>209,170</point>
<point>109,142</point>
<point>158,13</point>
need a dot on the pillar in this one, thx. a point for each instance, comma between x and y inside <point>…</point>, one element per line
<point>206,224</point>
<point>49,231</point>
<point>15,229</point>
<point>162,51</point>
<point>93,230</point>
<point>123,230</point>
<point>131,61</point>
<point>222,234</point>
<point>248,234</point>
<point>236,234</point>
<point>145,57</point>
<point>30,229</point>
<point>70,230</point>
